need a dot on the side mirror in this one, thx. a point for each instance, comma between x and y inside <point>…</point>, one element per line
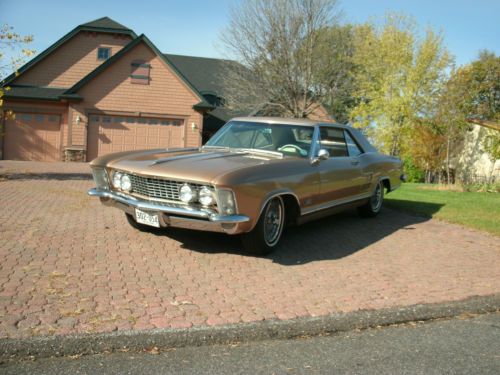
<point>323,154</point>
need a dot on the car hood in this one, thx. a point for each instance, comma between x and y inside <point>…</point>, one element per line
<point>194,165</point>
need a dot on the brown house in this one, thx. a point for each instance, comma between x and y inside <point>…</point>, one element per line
<point>100,89</point>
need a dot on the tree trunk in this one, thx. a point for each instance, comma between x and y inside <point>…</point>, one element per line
<point>448,159</point>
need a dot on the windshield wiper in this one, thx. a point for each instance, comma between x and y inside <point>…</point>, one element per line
<point>207,147</point>
<point>260,151</point>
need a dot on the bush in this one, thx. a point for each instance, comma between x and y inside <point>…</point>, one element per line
<point>413,173</point>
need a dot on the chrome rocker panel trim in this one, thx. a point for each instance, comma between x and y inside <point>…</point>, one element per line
<point>175,216</point>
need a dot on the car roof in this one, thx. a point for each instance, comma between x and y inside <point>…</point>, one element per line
<point>286,121</point>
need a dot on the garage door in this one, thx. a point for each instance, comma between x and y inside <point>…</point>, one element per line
<point>114,134</point>
<point>32,136</point>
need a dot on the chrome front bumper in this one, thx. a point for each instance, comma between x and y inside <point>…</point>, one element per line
<point>173,215</point>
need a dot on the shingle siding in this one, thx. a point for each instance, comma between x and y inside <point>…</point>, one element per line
<point>72,61</point>
<point>112,91</point>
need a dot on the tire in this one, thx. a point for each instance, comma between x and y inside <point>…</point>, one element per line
<point>138,226</point>
<point>266,234</point>
<point>373,206</point>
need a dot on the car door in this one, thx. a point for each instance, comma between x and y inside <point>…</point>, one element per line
<point>341,175</point>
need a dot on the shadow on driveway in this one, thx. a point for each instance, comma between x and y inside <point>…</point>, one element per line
<point>330,238</point>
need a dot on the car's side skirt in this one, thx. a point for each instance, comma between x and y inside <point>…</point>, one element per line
<point>321,213</point>
<point>335,203</point>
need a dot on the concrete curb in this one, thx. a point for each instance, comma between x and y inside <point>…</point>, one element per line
<point>83,344</point>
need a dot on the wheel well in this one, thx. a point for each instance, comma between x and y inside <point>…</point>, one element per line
<point>387,184</point>
<point>292,209</point>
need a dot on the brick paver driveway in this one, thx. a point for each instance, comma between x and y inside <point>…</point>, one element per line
<point>70,265</point>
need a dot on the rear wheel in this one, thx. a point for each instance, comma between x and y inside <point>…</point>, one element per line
<point>267,232</point>
<point>373,206</point>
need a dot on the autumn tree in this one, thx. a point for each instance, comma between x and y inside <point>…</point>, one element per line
<point>471,94</point>
<point>278,43</point>
<point>399,76</point>
<point>17,47</point>
<point>426,147</point>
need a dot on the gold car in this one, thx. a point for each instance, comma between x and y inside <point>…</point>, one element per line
<point>254,177</point>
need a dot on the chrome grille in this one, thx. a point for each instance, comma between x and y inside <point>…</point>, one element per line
<point>157,188</point>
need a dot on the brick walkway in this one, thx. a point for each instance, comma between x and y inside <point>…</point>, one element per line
<point>70,265</point>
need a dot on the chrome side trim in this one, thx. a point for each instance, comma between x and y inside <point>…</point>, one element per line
<point>205,214</point>
<point>336,202</point>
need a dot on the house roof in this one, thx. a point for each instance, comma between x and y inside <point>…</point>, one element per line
<point>104,25</point>
<point>33,92</point>
<point>204,73</point>
<point>495,125</point>
<point>226,114</point>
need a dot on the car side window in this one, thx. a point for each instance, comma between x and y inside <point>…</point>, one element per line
<point>333,141</point>
<point>352,147</point>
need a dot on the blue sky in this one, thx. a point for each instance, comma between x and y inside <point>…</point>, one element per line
<point>193,27</point>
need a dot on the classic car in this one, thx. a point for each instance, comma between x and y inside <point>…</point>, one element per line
<point>253,178</point>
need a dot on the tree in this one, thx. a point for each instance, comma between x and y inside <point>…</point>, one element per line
<point>427,148</point>
<point>17,44</point>
<point>398,77</point>
<point>337,70</point>
<point>471,94</point>
<point>278,43</point>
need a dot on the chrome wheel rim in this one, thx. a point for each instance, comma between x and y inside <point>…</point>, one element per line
<point>376,199</point>
<point>273,222</point>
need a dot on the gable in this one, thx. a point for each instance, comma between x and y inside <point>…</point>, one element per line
<point>72,60</point>
<point>113,88</point>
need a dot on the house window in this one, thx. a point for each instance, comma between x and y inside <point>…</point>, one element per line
<point>103,53</point>
<point>140,72</point>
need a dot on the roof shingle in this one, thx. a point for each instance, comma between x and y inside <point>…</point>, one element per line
<point>105,23</point>
<point>32,92</point>
<point>204,73</point>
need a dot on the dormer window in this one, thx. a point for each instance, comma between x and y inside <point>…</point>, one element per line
<point>140,72</point>
<point>103,53</point>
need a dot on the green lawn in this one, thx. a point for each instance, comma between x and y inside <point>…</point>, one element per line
<point>475,210</point>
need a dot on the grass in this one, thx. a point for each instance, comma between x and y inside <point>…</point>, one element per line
<point>472,209</point>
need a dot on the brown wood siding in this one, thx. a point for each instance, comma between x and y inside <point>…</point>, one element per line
<point>165,95</point>
<point>72,61</point>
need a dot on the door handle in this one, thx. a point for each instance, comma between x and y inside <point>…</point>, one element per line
<point>354,162</point>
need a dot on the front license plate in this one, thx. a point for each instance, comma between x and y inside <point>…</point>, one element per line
<point>147,218</point>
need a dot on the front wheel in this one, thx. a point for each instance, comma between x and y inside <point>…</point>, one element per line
<point>267,232</point>
<point>373,206</point>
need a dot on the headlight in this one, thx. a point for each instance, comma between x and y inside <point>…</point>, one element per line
<point>117,180</point>
<point>187,194</point>
<point>226,202</point>
<point>100,178</point>
<point>125,183</point>
<point>206,196</point>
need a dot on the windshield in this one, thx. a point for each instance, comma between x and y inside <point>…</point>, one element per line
<point>291,140</point>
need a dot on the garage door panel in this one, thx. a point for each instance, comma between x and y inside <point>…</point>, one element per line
<point>33,137</point>
<point>129,133</point>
